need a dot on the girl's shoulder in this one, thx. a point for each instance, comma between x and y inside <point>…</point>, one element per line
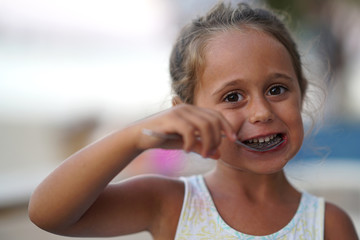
<point>167,193</point>
<point>156,181</point>
<point>338,224</point>
<point>161,188</point>
<point>160,184</point>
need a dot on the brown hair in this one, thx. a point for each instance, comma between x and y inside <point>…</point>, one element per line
<point>187,57</point>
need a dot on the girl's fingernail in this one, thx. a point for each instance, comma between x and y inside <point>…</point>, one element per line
<point>234,136</point>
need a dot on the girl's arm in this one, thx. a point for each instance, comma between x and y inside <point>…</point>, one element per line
<point>75,199</point>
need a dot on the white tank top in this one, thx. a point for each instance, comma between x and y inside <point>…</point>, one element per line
<point>199,219</point>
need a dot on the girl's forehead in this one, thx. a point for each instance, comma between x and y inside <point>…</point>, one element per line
<point>240,39</point>
<point>245,51</point>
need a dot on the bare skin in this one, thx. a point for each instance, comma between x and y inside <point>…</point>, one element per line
<point>248,90</point>
<point>76,196</point>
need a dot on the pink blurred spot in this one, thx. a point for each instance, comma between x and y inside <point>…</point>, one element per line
<point>167,162</point>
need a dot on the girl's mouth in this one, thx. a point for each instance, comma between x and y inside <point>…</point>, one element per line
<point>266,142</point>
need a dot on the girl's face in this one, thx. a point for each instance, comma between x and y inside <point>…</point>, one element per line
<point>249,78</point>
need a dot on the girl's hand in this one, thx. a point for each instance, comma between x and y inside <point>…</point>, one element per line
<point>191,123</point>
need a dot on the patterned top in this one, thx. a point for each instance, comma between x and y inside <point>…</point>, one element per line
<point>200,220</point>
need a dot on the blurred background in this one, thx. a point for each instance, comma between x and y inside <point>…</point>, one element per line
<point>73,71</point>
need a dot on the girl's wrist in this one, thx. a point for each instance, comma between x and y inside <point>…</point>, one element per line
<point>133,137</point>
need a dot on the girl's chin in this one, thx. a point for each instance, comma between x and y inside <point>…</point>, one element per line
<point>258,162</point>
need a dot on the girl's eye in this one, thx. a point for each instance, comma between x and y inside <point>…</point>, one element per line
<point>233,97</point>
<point>277,90</point>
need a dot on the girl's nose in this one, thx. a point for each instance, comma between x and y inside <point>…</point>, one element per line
<point>260,111</point>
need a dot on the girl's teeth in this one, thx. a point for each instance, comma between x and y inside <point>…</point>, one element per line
<point>261,140</point>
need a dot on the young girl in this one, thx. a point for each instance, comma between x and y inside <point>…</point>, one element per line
<point>237,76</point>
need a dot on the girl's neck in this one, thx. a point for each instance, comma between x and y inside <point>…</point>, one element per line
<point>257,188</point>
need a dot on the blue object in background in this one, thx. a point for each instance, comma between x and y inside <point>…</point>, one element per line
<point>335,141</point>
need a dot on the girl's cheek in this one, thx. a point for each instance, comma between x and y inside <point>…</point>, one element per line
<point>235,118</point>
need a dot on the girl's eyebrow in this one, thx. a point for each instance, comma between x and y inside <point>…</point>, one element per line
<point>235,82</point>
<point>228,84</point>
<point>280,75</point>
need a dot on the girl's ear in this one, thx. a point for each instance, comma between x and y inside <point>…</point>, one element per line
<point>176,100</point>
